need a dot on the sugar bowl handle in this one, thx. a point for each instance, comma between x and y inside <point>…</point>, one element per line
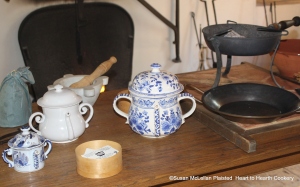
<point>190,97</point>
<point>120,96</point>
<point>47,142</point>
<point>39,118</point>
<point>83,110</point>
<point>8,151</point>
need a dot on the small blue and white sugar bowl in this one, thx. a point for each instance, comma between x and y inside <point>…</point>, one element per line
<point>155,109</point>
<point>27,151</point>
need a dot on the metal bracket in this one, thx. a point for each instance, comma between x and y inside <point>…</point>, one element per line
<point>175,27</point>
<point>272,63</point>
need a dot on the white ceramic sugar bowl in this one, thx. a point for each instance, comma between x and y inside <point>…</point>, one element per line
<point>155,109</point>
<point>61,120</point>
<point>27,151</point>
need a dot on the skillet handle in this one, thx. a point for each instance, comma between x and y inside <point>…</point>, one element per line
<point>285,33</point>
<point>270,29</point>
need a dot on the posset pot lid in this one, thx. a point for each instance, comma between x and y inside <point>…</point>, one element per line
<point>59,97</point>
<point>26,139</point>
<point>155,83</point>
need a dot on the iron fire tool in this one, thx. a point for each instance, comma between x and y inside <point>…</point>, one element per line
<point>264,2</point>
<point>201,48</point>
<point>275,12</point>
<point>207,18</point>
<point>214,8</point>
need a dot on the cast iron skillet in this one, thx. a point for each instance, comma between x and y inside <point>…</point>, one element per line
<point>257,40</point>
<point>250,103</point>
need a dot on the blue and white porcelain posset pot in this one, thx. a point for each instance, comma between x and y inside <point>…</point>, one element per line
<point>155,109</point>
<point>27,151</point>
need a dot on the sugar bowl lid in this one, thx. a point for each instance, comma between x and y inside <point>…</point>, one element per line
<point>58,97</point>
<point>26,139</point>
<point>155,83</point>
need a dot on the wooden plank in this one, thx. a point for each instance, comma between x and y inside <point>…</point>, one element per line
<point>243,138</point>
<point>223,127</point>
<point>245,72</point>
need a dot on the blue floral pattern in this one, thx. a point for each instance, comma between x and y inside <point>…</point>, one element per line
<point>171,120</point>
<point>36,159</point>
<point>155,82</point>
<point>25,139</point>
<point>20,159</point>
<point>156,122</point>
<point>168,102</point>
<point>146,83</point>
<point>139,121</point>
<point>165,122</point>
<point>142,103</point>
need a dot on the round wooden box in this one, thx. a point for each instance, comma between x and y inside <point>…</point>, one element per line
<point>98,168</point>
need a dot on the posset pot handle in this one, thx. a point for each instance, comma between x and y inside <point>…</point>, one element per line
<point>120,96</point>
<point>190,97</point>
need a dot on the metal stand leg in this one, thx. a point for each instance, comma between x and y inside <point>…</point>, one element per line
<point>228,65</point>
<point>271,66</point>
<point>216,44</point>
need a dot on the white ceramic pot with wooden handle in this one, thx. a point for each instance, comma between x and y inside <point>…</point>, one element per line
<point>89,94</point>
<point>88,86</point>
<point>100,70</point>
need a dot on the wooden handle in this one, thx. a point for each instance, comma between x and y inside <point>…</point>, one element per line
<point>100,70</point>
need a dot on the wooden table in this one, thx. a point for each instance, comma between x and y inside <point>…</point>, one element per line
<point>194,151</point>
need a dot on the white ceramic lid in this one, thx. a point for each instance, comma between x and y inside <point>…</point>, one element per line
<point>58,97</point>
<point>155,83</point>
<point>25,139</point>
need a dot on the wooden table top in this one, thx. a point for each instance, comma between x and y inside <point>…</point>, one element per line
<point>194,150</point>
